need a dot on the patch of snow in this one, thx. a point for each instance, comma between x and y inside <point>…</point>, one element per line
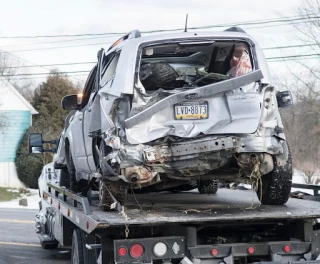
<point>32,197</point>
<point>298,177</point>
<point>13,190</point>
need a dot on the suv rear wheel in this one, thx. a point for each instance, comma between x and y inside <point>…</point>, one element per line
<point>276,185</point>
<point>208,186</point>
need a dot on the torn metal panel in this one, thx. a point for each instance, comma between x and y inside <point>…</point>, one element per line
<point>223,118</point>
<point>205,91</point>
<point>208,144</point>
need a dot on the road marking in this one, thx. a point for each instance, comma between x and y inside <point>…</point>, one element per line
<point>16,221</point>
<point>19,244</point>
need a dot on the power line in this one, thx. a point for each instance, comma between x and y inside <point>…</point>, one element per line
<point>43,77</point>
<point>92,62</point>
<point>49,65</point>
<point>99,37</point>
<point>293,46</point>
<point>102,43</point>
<point>20,58</point>
<point>294,56</point>
<point>43,73</point>
<point>57,41</point>
<point>246,23</point>
<point>62,47</point>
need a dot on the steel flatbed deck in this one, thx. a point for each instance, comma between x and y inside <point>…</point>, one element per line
<point>174,208</point>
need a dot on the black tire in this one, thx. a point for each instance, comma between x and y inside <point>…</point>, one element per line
<point>276,185</point>
<point>158,75</point>
<point>74,185</point>
<point>208,186</point>
<point>77,252</point>
<point>119,190</point>
<point>64,177</point>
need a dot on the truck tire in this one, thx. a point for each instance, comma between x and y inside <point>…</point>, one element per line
<point>208,186</point>
<point>74,185</point>
<point>77,252</point>
<point>276,185</point>
<point>119,190</point>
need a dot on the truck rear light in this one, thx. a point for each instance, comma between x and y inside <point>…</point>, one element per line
<point>287,248</point>
<point>251,250</point>
<point>160,249</point>
<point>214,252</point>
<point>136,251</point>
<point>122,251</point>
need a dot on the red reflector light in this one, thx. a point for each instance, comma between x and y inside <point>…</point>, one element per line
<point>122,251</point>
<point>251,250</point>
<point>87,224</point>
<point>136,251</point>
<point>287,248</point>
<point>214,252</point>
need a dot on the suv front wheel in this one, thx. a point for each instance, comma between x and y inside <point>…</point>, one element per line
<point>208,186</point>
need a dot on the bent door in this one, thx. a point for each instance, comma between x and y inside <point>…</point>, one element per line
<point>79,131</point>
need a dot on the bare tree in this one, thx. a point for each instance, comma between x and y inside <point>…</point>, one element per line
<point>302,121</point>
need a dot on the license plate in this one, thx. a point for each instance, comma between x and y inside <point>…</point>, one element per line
<point>191,110</point>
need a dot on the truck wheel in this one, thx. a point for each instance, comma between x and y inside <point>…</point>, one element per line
<point>276,185</point>
<point>119,190</point>
<point>208,186</point>
<point>77,256</point>
<point>74,185</point>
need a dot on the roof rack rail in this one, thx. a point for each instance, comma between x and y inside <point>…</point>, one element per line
<point>235,29</point>
<point>131,35</point>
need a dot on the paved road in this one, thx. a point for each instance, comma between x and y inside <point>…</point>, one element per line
<point>19,243</point>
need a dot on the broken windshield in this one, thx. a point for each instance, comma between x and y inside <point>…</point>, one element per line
<point>192,64</point>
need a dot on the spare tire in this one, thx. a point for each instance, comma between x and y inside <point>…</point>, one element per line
<point>158,75</point>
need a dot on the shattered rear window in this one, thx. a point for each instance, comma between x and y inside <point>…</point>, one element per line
<point>192,64</point>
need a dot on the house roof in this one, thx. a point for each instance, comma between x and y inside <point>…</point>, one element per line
<point>11,99</point>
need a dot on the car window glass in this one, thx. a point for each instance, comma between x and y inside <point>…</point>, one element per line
<point>89,87</point>
<point>110,69</point>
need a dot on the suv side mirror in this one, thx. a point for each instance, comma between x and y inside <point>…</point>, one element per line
<point>284,99</point>
<point>35,143</point>
<point>70,102</point>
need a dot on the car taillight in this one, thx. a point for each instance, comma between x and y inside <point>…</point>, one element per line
<point>287,248</point>
<point>251,250</point>
<point>160,249</point>
<point>122,251</point>
<point>136,251</point>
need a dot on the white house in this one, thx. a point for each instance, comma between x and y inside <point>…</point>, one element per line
<point>16,114</point>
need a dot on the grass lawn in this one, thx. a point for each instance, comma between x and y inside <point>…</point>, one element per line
<point>8,194</point>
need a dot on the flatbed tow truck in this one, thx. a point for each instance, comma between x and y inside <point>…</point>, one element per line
<point>229,227</point>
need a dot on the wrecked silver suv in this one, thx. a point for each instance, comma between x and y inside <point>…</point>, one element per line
<point>176,112</point>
